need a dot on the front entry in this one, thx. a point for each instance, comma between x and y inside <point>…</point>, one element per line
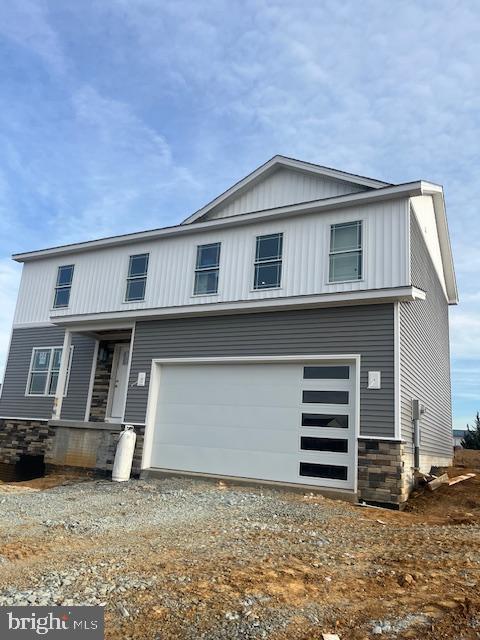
<point>118,383</point>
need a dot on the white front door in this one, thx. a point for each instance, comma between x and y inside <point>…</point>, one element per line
<point>119,382</point>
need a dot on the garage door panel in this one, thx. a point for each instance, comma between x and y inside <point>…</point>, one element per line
<point>241,439</point>
<point>226,417</point>
<point>240,386</point>
<point>248,394</point>
<point>260,465</point>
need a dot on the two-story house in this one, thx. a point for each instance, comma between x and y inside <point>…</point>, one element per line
<point>278,334</point>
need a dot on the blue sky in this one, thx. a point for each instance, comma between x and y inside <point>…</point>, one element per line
<point>120,115</point>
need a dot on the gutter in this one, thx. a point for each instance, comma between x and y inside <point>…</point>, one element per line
<point>326,204</point>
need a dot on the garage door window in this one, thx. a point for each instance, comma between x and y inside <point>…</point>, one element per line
<point>325,397</point>
<point>332,471</point>
<point>324,420</point>
<point>336,445</point>
<point>326,373</point>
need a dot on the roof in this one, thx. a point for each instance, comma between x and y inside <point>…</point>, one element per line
<point>375,191</point>
<point>459,433</point>
<point>278,162</point>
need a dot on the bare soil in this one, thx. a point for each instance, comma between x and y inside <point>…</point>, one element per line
<point>218,561</point>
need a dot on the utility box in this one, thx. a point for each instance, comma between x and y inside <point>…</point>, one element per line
<point>418,409</point>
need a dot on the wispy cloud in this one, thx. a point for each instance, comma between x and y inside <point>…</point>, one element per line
<point>25,22</point>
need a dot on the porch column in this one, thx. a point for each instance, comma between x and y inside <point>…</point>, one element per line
<point>62,376</point>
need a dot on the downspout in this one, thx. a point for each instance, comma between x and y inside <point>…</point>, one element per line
<point>417,411</point>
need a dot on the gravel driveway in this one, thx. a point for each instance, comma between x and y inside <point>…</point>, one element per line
<point>189,559</point>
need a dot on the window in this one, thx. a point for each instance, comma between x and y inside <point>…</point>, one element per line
<point>335,445</point>
<point>44,370</point>
<point>345,251</point>
<point>206,269</point>
<point>326,372</point>
<point>323,420</point>
<point>63,286</point>
<point>325,397</point>
<point>330,471</point>
<point>137,277</point>
<point>268,261</point>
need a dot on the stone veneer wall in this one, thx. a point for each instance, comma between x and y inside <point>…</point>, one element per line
<point>22,437</point>
<point>382,473</point>
<point>101,382</point>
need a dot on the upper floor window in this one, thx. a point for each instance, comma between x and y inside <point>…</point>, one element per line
<point>63,286</point>
<point>268,261</point>
<point>207,268</point>
<point>345,251</point>
<point>137,277</point>
<point>44,370</point>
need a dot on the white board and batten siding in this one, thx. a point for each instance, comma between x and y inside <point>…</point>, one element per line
<point>100,275</point>
<point>281,188</point>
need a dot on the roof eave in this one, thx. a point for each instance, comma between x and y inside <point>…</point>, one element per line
<point>360,198</point>
<point>436,191</point>
<point>277,162</point>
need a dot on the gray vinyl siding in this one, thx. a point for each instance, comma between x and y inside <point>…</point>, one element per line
<point>367,330</point>
<point>425,354</point>
<point>14,403</point>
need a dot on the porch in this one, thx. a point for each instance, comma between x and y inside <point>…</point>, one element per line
<point>109,375</point>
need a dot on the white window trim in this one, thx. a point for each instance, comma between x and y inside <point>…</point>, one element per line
<point>200,269</point>
<point>330,252</point>
<point>260,262</point>
<point>129,278</point>
<point>65,286</point>
<point>49,372</point>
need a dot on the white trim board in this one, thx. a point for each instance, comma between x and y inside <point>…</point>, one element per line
<point>406,294</point>
<point>397,370</point>
<point>93,370</point>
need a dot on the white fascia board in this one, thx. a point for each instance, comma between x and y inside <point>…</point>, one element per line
<point>313,206</point>
<point>278,162</point>
<point>103,320</point>
<point>436,191</point>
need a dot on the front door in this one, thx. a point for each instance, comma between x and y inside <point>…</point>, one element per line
<point>119,382</point>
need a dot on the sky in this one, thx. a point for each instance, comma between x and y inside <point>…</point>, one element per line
<point>122,115</point>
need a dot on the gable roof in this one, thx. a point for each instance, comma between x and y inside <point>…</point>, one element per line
<point>282,162</point>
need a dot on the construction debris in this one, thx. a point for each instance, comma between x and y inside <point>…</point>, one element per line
<point>437,482</point>
<point>466,476</point>
<point>330,636</point>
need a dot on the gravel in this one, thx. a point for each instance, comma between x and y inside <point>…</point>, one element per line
<point>202,560</point>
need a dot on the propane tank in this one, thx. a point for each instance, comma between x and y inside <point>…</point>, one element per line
<point>124,454</point>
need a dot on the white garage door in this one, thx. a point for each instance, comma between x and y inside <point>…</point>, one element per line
<point>283,422</point>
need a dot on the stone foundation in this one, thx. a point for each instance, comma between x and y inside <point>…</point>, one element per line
<point>22,437</point>
<point>382,474</point>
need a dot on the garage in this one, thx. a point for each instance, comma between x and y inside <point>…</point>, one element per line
<point>285,421</point>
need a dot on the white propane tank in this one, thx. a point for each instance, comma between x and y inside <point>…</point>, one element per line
<point>122,464</point>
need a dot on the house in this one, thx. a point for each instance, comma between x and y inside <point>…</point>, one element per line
<point>458,436</point>
<point>279,334</point>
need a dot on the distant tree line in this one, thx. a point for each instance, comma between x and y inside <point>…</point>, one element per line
<point>471,439</point>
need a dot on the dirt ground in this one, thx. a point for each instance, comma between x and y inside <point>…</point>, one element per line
<point>184,559</point>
